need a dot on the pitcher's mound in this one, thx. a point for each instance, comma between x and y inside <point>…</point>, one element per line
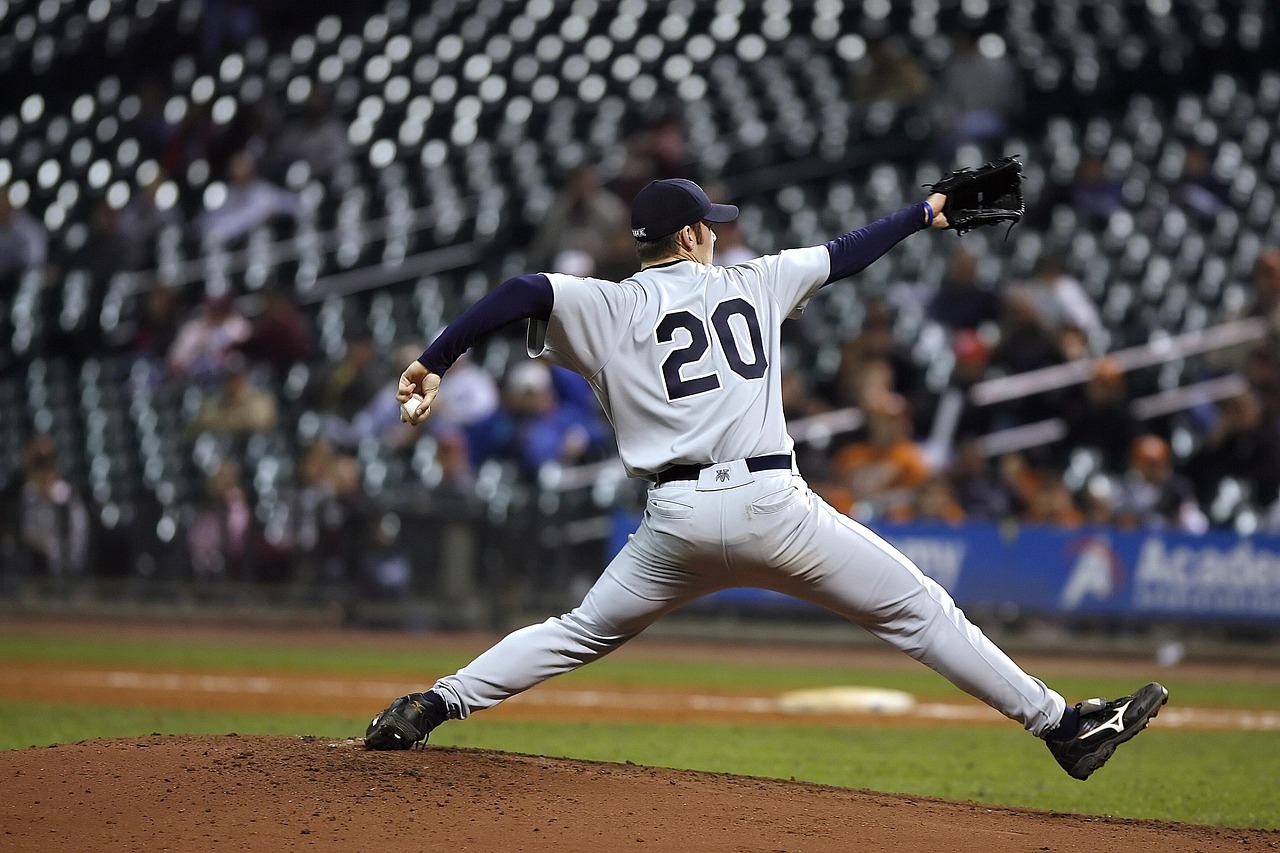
<point>230,792</point>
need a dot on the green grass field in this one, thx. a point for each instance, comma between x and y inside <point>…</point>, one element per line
<point>1225,778</point>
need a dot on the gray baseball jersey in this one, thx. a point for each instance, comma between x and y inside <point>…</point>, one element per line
<point>678,354</point>
<point>684,359</point>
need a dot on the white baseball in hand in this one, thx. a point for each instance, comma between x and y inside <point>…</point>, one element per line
<point>411,406</point>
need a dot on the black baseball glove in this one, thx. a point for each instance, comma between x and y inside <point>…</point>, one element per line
<point>987,195</point>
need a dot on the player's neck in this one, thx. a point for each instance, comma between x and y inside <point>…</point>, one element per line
<point>681,255</point>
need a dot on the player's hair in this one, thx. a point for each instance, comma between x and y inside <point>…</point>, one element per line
<point>649,251</point>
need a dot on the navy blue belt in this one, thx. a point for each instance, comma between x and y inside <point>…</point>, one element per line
<point>690,472</point>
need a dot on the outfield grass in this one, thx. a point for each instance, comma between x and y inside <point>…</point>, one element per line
<point>427,663</point>
<point>1224,778</point>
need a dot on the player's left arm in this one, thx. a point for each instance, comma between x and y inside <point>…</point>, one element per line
<point>854,251</point>
<point>519,298</point>
<point>797,274</point>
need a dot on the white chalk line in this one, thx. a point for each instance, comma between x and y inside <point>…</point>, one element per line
<point>551,697</point>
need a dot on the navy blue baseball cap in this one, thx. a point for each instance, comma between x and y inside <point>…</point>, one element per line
<point>664,207</point>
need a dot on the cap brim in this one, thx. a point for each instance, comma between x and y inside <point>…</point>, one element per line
<point>721,213</point>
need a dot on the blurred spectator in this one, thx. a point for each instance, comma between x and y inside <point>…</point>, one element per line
<point>1059,299</point>
<point>731,245</point>
<point>250,202</point>
<point>1262,371</point>
<point>345,387</point>
<point>934,502</point>
<point>878,342</point>
<point>1264,303</point>
<point>619,260</point>
<point>797,399</point>
<point>226,26</point>
<point>972,357</point>
<point>326,518</point>
<point>54,522</point>
<point>1241,445</point>
<point>279,336</point>
<point>1021,480</point>
<point>577,232</point>
<point>1266,286</point>
<point>1052,504</point>
<point>345,522</point>
<point>239,408</point>
<point>963,299</point>
<point>871,360</point>
<point>882,473</point>
<point>107,249</point>
<point>151,337</point>
<point>457,478</point>
<point>655,151</point>
<point>387,571</point>
<point>24,245</point>
<point>887,73</point>
<point>252,131</point>
<point>317,137</point>
<point>1098,501</point>
<point>856,379</point>
<point>379,417</point>
<point>40,449</point>
<point>196,139</point>
<point>1098,415</point>
<point>1072,343</point>
<point>220,539</point>
<point>143,218</point>
<point>533,428</point>
<point>981,494</point>
<point>1152,496</point>
<point>1093,193</point>
<point>1025,344</point>
<point>151,127</point>
<point>1199,191</point>
<point>206,341</point>
<point>979,97</point>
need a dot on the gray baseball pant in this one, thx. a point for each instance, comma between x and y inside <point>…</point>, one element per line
<point>772,533</point>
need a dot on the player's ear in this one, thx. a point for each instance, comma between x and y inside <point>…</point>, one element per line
<point>688,237</point>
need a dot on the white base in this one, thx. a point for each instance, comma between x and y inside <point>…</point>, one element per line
<point>846,700</point>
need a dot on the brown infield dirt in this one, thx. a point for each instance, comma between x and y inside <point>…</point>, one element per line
<point>233,792</point>
<point>240,792</point>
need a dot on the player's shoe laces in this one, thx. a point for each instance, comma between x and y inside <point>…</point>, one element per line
<point>1104,726</point>
<point>409,720</point>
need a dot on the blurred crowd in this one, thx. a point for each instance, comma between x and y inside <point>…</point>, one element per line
<point>1101,464</point>
<point>236,351</point>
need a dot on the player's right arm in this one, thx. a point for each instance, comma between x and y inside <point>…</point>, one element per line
<point>519,298</point>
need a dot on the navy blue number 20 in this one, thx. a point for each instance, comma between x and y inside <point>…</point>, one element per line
<point>679,387</point>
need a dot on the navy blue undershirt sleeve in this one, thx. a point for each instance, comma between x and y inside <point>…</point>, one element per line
<point>855,251</point>
<point>515,299</point>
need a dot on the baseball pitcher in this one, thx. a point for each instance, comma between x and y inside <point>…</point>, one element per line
<point>684,358</point>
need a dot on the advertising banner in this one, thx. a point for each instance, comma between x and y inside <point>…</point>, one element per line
<point>1050,571</point>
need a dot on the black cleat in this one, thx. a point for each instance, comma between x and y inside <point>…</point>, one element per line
<point>409,720</point>
<point>1104,726</point>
